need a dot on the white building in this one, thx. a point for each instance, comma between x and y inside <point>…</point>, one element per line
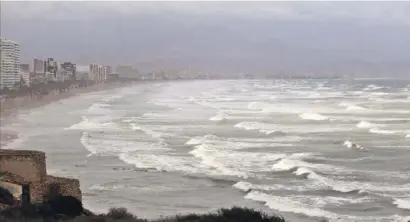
<point>10,63</point>
<point>98,72</point>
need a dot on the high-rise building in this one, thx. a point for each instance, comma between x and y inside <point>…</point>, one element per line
<point>38,66</point>
<point>68,70</point>
<point>10,63</point>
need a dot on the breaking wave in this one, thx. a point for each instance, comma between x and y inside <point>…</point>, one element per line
<point>402,203</point>
<point>349,144</point>
<point>366,125</point>
<point>221,116</point>
<point>260,127</point>
<point>382,132</point>
<point>313,116</point>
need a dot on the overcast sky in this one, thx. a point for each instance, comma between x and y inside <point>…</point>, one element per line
<point>231,36</point>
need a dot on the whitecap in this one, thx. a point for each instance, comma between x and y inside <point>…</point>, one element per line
<point>219,117</point>
<point>349,144</point>
<point>365,125</point>
<point>285,204</point>
<point>261,127</point>
<point>383,132</point>
<point>313,116</point>
<point>402,203</point>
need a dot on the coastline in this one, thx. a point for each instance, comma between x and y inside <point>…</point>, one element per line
<point>10,110</point>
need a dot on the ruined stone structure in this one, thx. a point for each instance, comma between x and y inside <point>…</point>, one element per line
<point>20,167</point>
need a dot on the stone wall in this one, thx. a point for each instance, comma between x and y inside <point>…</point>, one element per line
<point>30,165</point>
<point>20,167</point>
<point>67,187</point>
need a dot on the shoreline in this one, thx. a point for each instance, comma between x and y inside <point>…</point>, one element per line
<point>12,109</point>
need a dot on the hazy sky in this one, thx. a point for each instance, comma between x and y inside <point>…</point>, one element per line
<point>371,37</point>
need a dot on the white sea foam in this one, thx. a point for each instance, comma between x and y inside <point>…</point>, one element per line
<point>153,115</point>
<point>148,131</point>
<point>285,204</point>
<point>257,126</point>
<point>408,136</point>
<point>247,186</point>
<point>201,139</point>
<point>219,117</point>
<point>313,116</point>
<point>366,125</point>
<point>213,159</point>
<point>99,109</point>
<point>96,124</point>
<point>355,108</point>
<point>372,87</point>
<point>379,94</point>
<point>163,162</point>
<point>402,203</point>
<point>383,132</point>
<point>349,144</point>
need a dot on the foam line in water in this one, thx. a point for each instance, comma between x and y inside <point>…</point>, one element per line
<point>257,126</point>
<point>383,132</point>
<point>219,117</point>
<point>366,125</point>
<point>313,116</point>
<point>285,204</point>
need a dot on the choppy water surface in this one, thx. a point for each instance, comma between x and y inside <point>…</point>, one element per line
<point>305,149</point>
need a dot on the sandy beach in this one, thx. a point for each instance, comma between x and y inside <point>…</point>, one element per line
<point>10,108</point>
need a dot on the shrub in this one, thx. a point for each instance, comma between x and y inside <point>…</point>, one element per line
<point>65,205</point>
<point>122,214</point>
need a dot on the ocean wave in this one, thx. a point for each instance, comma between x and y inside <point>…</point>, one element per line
<point>219,117</point>
<point>95,124</point>
<point>373,87</point>
<point>201,139</point>
<point>163,162</point>
<point>300,168</point>
<point>383,132</point>
<point>153,115</point>
<point>402,203</point>
<point>152,133</point>
<point>213,159</point>
<point>226,156</point>
<point>313,116</point>
<point>379,94</point>
<point>257,126</point>
<point>112,145</point>
<point>408,136</point>
<point>349,144</point>
<point>99,108</point>
<point>355,108</point>
<point>285,204</point>
<point>366,125</point>
<point>247,187</point>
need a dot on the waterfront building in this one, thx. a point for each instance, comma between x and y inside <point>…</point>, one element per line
<point>10,63</point>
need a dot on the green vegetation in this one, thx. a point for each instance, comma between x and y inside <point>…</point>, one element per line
<point>68,208</point>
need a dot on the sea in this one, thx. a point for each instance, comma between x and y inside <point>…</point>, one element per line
<point>307,150</point>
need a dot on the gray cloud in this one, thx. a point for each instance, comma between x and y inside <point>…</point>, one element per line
<point>379,12</point>
<point>327,37</point>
